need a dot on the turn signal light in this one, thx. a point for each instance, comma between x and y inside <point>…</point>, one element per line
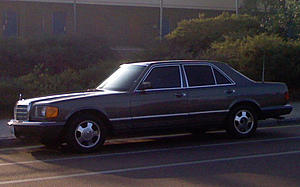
<point>287,96</point>
<point>51,112</point>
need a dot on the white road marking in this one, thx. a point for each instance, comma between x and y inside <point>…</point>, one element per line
<point>144,151</point>
<point>149,167</point>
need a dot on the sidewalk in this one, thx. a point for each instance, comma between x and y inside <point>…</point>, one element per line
<point>294,117</point>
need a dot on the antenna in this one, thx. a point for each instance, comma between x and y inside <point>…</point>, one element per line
<point>263,68</point>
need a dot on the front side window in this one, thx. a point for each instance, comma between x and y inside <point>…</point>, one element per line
<point>199,75</point>
<point>164,77</point>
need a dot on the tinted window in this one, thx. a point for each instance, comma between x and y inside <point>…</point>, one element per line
<point>164,77</point>
<point>221,79</point>
<point>199,75</point>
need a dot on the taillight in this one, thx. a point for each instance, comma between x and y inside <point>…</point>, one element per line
<point>287,96</point>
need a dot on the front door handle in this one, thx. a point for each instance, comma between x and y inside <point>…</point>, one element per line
<point>180,95</point>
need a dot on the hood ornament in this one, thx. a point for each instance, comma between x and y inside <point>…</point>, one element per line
<point>20,96</point>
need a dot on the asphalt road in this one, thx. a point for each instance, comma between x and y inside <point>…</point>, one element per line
<point>270,158</point>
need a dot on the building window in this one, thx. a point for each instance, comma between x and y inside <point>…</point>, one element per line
<point>59,22</point>
<point>10,24</point>
<point>165,26</point>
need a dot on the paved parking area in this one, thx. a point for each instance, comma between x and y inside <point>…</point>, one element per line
<point>270,158</point>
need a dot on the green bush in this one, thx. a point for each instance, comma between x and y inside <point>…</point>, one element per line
<point>282,57</point>
<point>19,56</point>
<point>41,82</point>
<point>195,35</point>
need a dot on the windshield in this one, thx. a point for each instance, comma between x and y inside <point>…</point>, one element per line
<point>123,78</point>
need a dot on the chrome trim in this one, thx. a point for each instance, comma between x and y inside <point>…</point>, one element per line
<point>224,74</point>
<point>183,73</point>
<point>213,72</point>
<point>210,86</point>
<point>196,64</point>
<point>158,89</point>
<point>149,71</point>
<point>211,66</point>
<point>24,107</point>
<point>167,115</point>
<point>180,73</point>
<point>120,119</point>
<point>16,122</point>
<point>186,80</point>
<point>208,112</point>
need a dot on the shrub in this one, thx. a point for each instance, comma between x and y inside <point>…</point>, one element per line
<point>282,57</point>
<point>195,35</point>
<point>19,56</point>
<point>40,82</point>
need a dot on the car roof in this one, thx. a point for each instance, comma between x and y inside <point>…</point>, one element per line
<point>148,63</point>
<point>236,76</point>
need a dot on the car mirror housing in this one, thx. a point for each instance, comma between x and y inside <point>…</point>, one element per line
<point>146,85</point>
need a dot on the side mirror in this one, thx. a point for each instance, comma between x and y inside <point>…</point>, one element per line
<point>145,86</point>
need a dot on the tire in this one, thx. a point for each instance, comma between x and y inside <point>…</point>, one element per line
<point>86,133</point>
<point>242,121</point>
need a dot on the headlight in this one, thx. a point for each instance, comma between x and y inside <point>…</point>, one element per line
<point>45,112</point>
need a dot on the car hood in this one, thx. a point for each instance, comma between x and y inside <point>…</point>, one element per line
<point>62,97</point>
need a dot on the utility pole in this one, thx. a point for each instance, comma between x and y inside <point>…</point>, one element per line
<point>263,68</point>
<point>237,7</point>
<point>161,20</point>
<point>75,15</point>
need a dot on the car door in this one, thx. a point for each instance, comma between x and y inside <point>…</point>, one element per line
<point>210,93</point>
<point>164,102</point>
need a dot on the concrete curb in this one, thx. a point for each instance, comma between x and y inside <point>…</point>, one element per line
<point>274,122</point>
<point>5,131</point>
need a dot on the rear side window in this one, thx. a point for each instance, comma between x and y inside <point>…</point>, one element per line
<point>220,78</point>
<point>199,75</point>
<point>164,77</point>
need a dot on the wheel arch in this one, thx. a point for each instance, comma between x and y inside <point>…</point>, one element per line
<point>95,112</point>
<point>251,103</point>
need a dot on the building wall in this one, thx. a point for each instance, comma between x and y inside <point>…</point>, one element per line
<point>120,25</point>
<point>188,4</point>
<point>35,18</point>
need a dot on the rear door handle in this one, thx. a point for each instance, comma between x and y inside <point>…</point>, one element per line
<point>229,91</point>
<point>180,95</point>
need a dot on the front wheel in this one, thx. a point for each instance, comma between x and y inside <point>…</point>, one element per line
<point>86,133</point>
<point>242,122</point>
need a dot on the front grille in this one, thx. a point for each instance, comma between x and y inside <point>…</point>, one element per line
<point>21,112</point>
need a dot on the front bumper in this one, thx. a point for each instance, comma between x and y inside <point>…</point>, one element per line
<point>276,111</point>
<point>36,130</point>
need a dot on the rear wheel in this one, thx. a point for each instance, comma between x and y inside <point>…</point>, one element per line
<point>86,133</point>
<point>242,121</point>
